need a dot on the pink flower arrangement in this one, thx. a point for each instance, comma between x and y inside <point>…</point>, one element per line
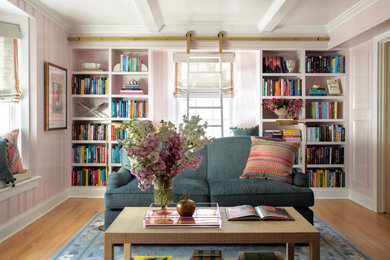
<point>291,105</point>
<point>162,153</point>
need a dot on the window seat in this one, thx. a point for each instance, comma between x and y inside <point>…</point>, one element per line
<point>23,182</point>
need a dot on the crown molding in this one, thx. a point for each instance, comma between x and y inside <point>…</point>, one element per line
<point>302,29</point>
<point>109,29</point>
<point>49,13</point>
<point>205,28</point>
<point>349,13</point>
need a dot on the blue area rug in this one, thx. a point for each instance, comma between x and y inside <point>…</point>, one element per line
<point>88,243</point>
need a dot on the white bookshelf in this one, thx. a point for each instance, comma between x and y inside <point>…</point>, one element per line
<point>108,58</point>
<point>267,118</point>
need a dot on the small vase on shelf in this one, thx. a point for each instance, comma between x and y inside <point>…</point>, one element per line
<point>163,192</point>
<point>281,113</point>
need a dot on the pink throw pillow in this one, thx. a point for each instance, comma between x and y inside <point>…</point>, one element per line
<point>14,159</point>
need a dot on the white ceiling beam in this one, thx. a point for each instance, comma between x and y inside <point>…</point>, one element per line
<point>275,14</point>
<point>150,14</point>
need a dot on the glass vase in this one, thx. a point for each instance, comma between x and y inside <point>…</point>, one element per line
<point>163,192</point>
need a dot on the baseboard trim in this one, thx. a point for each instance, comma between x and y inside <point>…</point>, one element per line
<point>18,223</point>
<point>363,200</point>
<point>330,193</point>
<point>87,192</point>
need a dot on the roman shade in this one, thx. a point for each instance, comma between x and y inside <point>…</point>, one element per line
<point>9,73</point>
<point>199,74</point>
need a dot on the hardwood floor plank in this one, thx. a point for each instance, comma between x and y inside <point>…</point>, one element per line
<point>42,239</point>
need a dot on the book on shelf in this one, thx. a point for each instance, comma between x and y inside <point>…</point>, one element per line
<point>333,86</point>
<point>257,255</point>
<point>325,64</point>
<point>324,110</point>
<point>129,109</point>
<point>89,131</point>
<point>88,154</point>
<point>84,85</point>
<point>282,87</point>
<point>325,155</point>
<point>132,89</point>
<point>89,177</point>
<point>292,135</point>
<point>248,212</point>
<point>130,64</point>
<point>274,64</point>
<point>273,134</point>
<point>326,133</point>
<point>326,178</point>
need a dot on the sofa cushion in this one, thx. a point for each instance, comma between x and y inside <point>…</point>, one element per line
<point>271,160</point>
<point>130,195</point>
<point>5,171</point>
<point>14,159</point>
<point>234,191</point>
<point>200,172</point>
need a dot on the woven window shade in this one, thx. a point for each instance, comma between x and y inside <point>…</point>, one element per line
<point>203,80</point>
<point>9,77</point>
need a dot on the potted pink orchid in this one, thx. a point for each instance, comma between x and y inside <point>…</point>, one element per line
<point>158,154</point>
<point>290,106</point>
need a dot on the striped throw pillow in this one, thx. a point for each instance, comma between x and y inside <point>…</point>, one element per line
<point>271,160</point>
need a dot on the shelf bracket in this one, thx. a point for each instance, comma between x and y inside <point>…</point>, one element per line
<point>188,38</point>
<point>220,39</point>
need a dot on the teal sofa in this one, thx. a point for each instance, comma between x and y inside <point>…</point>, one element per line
<point>216,180</point>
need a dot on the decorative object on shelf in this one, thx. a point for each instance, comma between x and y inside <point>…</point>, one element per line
<point>316,90</point>
<point>159,154</point>
<point>91,66</point>
<point>144,68</point>
<point>55,97</point>
<point>186,207</point>
<point>163,192</point>
<point>291,105</point>
<point>296,122</point>
<point>290,64</point>
<point>333,86</point>
<point>117,68</point>
<point>281,113</point>
<point>132,88</point>
<point>95,109</point>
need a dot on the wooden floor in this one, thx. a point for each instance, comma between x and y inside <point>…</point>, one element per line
<point>42,239</point>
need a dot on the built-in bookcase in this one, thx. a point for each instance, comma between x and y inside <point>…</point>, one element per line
<point>325,115</point>
<point>98,104</point>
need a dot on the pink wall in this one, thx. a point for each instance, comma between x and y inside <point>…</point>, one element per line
<point>48,149</point>
<point>160,82</point>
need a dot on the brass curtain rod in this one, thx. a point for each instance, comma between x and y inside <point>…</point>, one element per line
<point>163,38</point>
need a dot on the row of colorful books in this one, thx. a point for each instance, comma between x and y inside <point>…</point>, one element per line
<point>89,177</point>
<point>129,109</point>
<point>86,85</point>
<point>116,154</point>
<point>117,133</point>
<point>325,64</point>
<point>89,131</point>
<point>282,87</point>
<point>88,154</point>
<point>325,155</point>
<point>326,133</point>
<point>326,178</point>
<point>274,64</point>
<point>130,64</point>
<point>292,135</point>
<point>324,110</point>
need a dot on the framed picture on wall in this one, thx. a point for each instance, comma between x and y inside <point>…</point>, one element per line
<point>55,97</point>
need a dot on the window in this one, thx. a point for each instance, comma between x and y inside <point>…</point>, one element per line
<point>204,86</point>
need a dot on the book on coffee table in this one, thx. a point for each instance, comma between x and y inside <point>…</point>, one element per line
<point>248,212</point>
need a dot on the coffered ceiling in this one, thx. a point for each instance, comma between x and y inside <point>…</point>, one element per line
<point>268,17</point>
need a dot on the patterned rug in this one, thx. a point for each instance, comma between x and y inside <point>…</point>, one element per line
<point>88,243</point>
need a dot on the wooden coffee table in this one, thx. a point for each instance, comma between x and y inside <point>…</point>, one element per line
<point>128,229</point>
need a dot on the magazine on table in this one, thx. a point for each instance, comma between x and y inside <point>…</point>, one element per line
<point>248,212</point>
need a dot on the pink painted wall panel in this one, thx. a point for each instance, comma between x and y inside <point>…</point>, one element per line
<point>48,149</point>
<point>160,85</point>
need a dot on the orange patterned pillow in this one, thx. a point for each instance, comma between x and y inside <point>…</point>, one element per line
<point>14,160</point>
<point>271,160</point>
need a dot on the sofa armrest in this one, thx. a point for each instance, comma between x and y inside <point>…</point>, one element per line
<point>118,179</point>
<point>300,179</point>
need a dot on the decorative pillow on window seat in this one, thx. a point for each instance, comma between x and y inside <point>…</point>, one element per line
<point>250,131</point>
<point>14,160</point>
<point>271,160</point>
<point>5,172</point>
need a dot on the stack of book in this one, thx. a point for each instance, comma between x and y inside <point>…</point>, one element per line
<point>132,89</point>
<point>292,135</point>
<point>273,134</point>
<point>318,92</point>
